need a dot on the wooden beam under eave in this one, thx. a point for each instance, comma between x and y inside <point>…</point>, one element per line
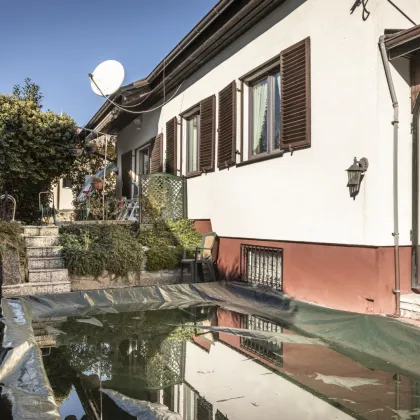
<point>415,77</point>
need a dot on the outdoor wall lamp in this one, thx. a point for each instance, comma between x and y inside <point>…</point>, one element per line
<point>355,175</point>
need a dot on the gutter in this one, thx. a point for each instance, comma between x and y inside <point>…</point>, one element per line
<point>395,124</point>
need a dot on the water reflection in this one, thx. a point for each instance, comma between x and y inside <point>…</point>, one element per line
<point>170,363</point>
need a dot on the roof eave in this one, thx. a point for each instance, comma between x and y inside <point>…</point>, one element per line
<point>404,43</point>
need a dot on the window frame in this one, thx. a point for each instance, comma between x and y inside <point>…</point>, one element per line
<point>68,181</point>
<point>268,74</point>
<point>270,66</point>
<point>186,117</point>
<point>137,156</point>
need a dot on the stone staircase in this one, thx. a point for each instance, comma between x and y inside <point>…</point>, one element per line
<point>46,272</point>
<point>410,306</point>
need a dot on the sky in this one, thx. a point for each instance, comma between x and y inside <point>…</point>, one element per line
<point>57,43</point>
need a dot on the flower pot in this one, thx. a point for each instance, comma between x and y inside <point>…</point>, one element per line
<point>97,185</point>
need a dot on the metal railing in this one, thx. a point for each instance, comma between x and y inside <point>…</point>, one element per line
<point>262,265</point>
<point>7,207</point>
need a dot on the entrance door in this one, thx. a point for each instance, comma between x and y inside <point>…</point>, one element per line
<point>127,174</point>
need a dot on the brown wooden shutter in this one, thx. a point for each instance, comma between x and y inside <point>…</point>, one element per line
<point>207,123</point>
<point>226,144</point>
<point>156,155</point>
<point>171,146</point>
<point>415,77</point>
<point>295,100</point>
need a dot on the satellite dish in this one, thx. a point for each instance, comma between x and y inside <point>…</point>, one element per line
<point>107,78</point>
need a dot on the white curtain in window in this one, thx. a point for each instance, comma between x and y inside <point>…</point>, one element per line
<point>259,141</point>
<point>277,105</point>
<point>192,135</point>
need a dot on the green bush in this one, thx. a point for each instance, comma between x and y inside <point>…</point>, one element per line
<point>90,249</point>
<point>166,240</point>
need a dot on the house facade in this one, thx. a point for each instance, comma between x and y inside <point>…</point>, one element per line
<point>263,107</point>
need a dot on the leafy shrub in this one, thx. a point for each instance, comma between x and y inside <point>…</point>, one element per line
<point>166,240</point>
<point>90,249</point>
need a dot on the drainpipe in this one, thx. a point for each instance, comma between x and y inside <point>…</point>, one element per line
<point>394,122</point>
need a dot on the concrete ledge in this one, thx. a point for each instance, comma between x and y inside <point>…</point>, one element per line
<point>25,289</point>
<point>110,281</point>
<point>100,222</point>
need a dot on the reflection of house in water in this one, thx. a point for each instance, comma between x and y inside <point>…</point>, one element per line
<point>219,376</point>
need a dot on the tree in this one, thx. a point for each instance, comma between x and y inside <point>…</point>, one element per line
<point>35,148</point>
<point>29,92</point>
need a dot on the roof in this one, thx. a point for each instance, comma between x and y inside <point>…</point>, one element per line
<point>403,43</point>
<point>222,25</point>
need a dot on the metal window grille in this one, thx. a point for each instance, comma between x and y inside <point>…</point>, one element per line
<point>262,265</point>
<point>266,350</point>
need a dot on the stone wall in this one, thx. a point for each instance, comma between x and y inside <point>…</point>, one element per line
<point>11,271</point>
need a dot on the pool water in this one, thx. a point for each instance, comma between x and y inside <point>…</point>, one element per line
<point>196,364</point>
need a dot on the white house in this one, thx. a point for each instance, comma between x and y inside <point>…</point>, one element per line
<point>262,107</point>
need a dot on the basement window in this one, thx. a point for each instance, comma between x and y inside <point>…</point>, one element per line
<point>262,265</point>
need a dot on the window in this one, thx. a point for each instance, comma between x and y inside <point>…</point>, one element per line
<point>199,128</point>
<point>265,115</point>
<point>262,265</point>
<point>143,161</point>
<point>67,183</point>
<point>279,105</point>
<point>193,143</point>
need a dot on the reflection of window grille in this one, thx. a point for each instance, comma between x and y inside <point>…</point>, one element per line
<point>204,409</point>
<point>220,416</point>
<point>266,350</point>
<point>262,265</point>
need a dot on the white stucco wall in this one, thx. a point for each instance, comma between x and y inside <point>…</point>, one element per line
<point>304,197</point>
<point>242,394</point>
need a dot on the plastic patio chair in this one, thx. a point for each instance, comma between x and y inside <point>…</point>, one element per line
<point>202,255</point>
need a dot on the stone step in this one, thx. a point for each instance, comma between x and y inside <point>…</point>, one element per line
<point>25,289</point>
<point>410,306</point>
<point>44,252</point>
<point>43,263</point>
<point>48,275</point>
<point>42,241</point>
<point>40,230</point>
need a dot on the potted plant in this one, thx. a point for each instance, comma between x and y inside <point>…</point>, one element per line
<point>97,183</point>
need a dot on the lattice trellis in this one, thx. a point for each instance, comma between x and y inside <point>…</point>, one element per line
<point>162,196</point>
<point>165,367</point>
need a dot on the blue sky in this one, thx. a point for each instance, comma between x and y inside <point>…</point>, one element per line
<point>58,42</point>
